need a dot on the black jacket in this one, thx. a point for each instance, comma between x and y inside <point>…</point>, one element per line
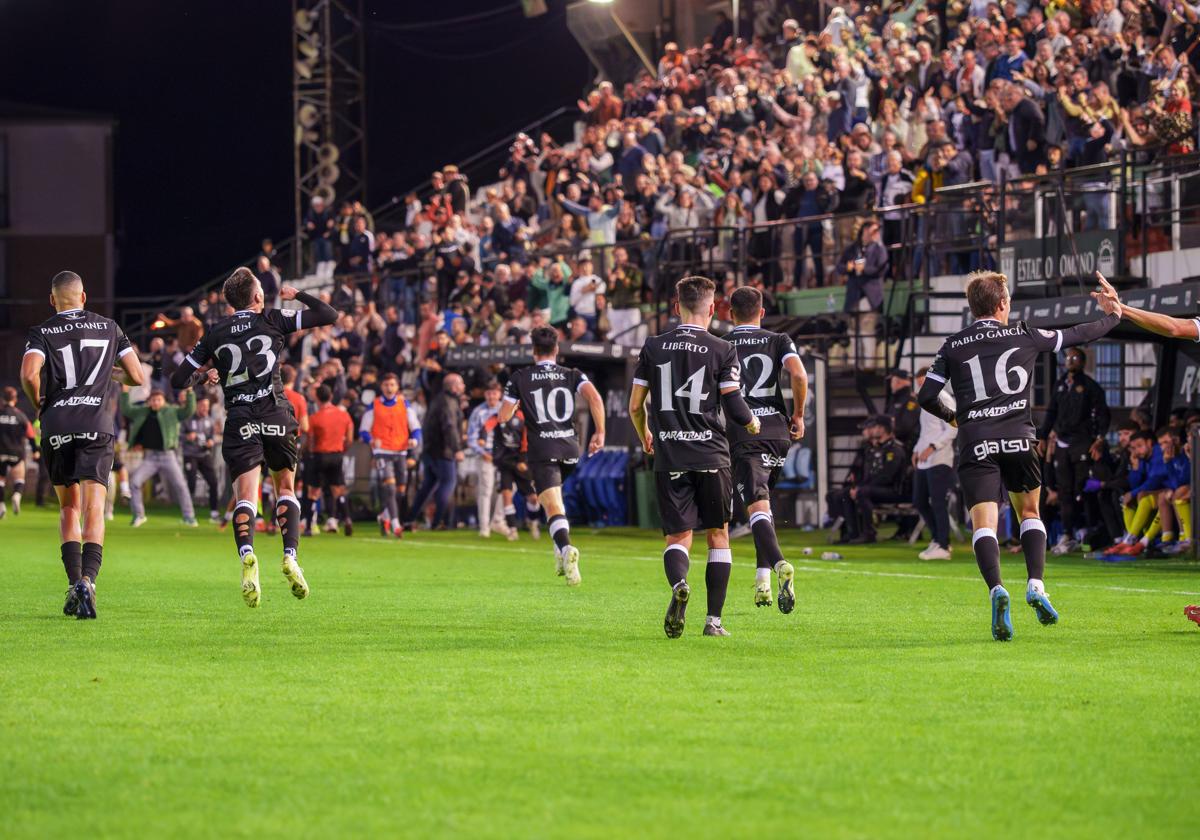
<point>886,466</point>
<point>442,427</point>
<point>1078,412</point>
<point>906,417</point>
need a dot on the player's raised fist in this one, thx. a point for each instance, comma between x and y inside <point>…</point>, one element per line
<point>288,293</point>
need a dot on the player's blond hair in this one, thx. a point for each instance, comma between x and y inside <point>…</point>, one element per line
<point>986,292</point>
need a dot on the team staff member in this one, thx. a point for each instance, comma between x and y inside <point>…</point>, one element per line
<point>15,432</point>
<point>1078,415</point>
<point>386,428</point>
<point>885,466</point>
<point>331,431</point>
<point>933,460</point>
<point>902,408</point>
<point>443,450</point>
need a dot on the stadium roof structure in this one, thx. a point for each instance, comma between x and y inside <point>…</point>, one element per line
<point>26,112</point>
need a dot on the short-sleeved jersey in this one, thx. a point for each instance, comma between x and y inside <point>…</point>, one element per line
<point>328,427</point>
<point>80,349</point>
<point>15,429</point>
<point>245,350</point>
<point>299,404</point>
<point>546,393</point>
<point>508,439</point>
<point>762,354</point>
<point>685,370</point>
<point>990,367</point>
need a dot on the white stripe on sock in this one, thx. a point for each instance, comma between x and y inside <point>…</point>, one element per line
<point>1032,525</point>
<point>981,533</point>
<point>720,555</point>
<point>758,516</point>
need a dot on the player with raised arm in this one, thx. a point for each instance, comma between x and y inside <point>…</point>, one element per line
<point>16,432</point>
<point>260,425</point>
<point>546,391</point>
<point>1183,328</point>
<point>770,367</point>
<point>70,361</point>
<point>990,367</point>
<point>689,375</point>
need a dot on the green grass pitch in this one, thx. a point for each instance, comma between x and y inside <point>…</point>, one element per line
<point>448,686</point>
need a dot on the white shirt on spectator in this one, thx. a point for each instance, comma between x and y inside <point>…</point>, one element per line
<point>583,301</point>
<point>939,434</point>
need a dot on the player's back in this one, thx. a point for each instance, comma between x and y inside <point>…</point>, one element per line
<point>14,429</point>
<point>684,370</point>
<point>546,392</point>
<point>328,428</point>
<point>990,367</point>
<point>80,349</point>
<point>245,349</point>
<point>762,354</point>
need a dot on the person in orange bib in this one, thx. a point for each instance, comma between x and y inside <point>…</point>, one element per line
<point>391,433</point>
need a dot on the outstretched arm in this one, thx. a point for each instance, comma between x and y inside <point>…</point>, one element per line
<point>318,314</point>
<point>1150,321</point>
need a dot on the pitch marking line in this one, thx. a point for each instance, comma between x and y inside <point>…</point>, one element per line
<point>818,569</point>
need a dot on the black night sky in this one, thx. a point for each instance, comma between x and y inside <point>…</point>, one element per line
<point>201,90</point>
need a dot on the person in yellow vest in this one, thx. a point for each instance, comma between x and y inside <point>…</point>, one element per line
<point>391,432</point>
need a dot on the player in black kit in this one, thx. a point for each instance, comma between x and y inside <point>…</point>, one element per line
<point>689,376</point>
<point>15,432</point>
<point>509,460</point>
<point>546,391</point>
<point>69,363</point>
<point>990,367</point>
<point>260,425</point>
<point>770,368</point>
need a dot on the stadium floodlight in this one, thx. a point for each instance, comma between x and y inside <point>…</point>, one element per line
<point>304,70</point>
<point>304,21</point>
<point>328,153</point>
<point>308,115</point>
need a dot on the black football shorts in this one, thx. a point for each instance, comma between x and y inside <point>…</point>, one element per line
<point>550,474</point>
<point>514,474</point>
<point>693,501</point>
<point>756,467</point>
<point>8,460</point>
<point>325,470</point>
<point>72,458</point>
<point>989,468</point>
<point>258,438</point>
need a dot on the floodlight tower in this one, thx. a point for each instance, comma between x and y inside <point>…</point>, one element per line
<point>328,105</point>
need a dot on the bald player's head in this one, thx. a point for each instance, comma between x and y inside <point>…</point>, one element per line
<point>66,291</point>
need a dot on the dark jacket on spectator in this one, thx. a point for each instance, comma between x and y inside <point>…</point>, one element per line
<point>1026,126</point>
<point>443,426</point>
